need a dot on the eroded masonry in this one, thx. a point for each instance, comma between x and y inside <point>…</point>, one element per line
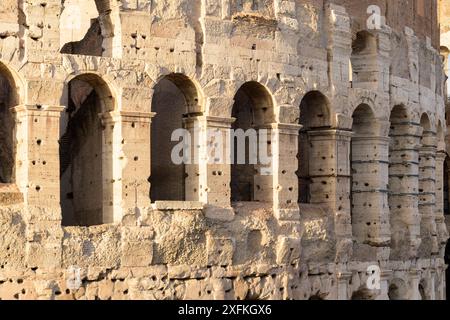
<point>92,207</point>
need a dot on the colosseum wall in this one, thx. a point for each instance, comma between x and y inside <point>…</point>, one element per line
<point>91,207</point>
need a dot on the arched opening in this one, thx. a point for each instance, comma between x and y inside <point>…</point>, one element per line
<point>83,155</point>
<point>176,104</point>
<point>363,194</point>
<point>314,116</point>
<point>364,50</point>
<point>403,185</point>
<point>423,290</point>
<point>364,293</point>
<point>446,187</point>
<point>86,28</point>
<point>317,296</point>
<point>252,109</point>
<point>397,290</point>
<point>8,99</point>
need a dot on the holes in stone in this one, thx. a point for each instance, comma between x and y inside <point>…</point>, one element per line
<point>38,188</point>
<point>39,142</point>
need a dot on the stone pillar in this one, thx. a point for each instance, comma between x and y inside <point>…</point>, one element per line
<point>442,231</point>
<point>135,161</point>
<point>441,280</point>
<point>432,284</point>
<point>38,178</point>
<point>193,188</point>
<point>414,293</point>
<point>386,276</point>
<point>215,167</point>
<point>427,195</point>
<point>112,154</point>
<point>404,190</point>
<point>264,188</point>
<point>343,279</point>
<point>284,168</point>
<point>37,156</point>
<point>329,168</point>
<point>370,209</point>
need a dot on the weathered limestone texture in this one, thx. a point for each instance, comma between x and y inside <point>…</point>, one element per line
<point>91,206</point>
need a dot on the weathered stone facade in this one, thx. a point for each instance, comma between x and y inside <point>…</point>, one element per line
<point>357,129</point>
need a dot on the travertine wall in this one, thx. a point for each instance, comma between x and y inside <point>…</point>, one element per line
<point>374,141</point>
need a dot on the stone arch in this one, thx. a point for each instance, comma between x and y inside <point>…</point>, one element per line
<point>97,82</point>
<point>314,117</point>
<point>16,82</point>
<point>177,103</point>
<point>305,89</point>
<point>253,110</point>
<point>364,202</point>
<point>10,96</point>
<point>358,97</point>
<point>190,89</point>
<point>86,153</point>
